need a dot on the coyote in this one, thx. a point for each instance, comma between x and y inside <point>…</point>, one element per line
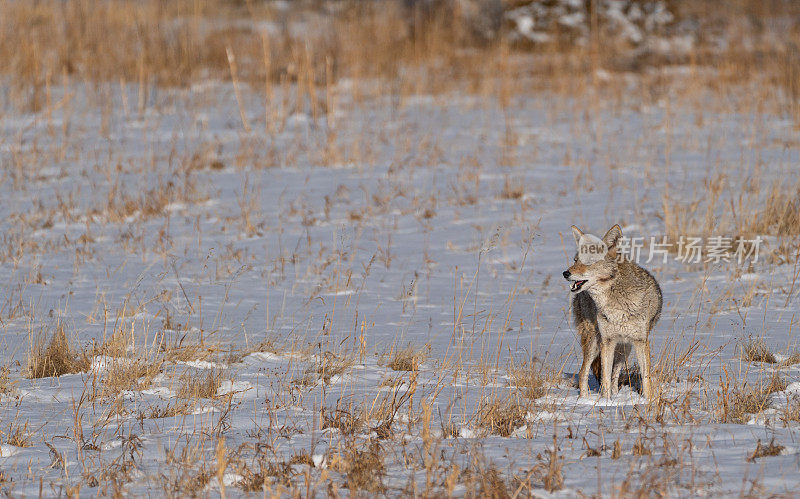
<point>615,303</point>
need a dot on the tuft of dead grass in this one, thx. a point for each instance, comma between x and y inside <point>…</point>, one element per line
<point>188,352</point>
<point>121,206</point>
<point>407,359</point>
<point>328,366</point>
<point>266,346</point>
<point>385,408</point>
<point>780,213</point>
<point>554,479</point>
<point>269,474</point>
<point>364,469</point>
<point>501,416</point>
<point>792,358</point>
<point>183,475</point>
<point>347,421</point>
<point>640,449</point>
<point>136,374</point>
<point>771,449</point>
<point>750,400</point>
<point>530,379</point>
<point>512,190</point>
<point>492,485</point>
<point>116,345</point>
<point>191,387</point>
<point>7,385</point>
<point>791,412</point>
<point>55,357</point>
<point>177,408</point>
<point>18,435</point>
<point>776,213</point>
<point>756,350</point>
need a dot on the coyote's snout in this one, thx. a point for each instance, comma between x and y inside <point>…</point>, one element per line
<point>576,284</point>
<point>616,304</point>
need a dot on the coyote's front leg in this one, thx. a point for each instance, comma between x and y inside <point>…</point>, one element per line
<point>643,356</point>
<point>607,349</point>
<point>589,355</point>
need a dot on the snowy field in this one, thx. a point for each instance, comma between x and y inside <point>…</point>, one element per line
<point>370,299</point>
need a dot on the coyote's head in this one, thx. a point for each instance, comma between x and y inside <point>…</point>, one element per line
<point>595,260</point>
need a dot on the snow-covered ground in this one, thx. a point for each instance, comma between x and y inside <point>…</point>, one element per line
<point>287,265</point>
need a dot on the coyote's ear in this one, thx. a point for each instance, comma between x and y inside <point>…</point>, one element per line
<point>612,236</point>
<point>576,233</point>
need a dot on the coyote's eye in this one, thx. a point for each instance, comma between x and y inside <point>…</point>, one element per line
<point>575,259</point>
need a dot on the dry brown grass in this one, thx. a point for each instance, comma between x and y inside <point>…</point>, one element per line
<point>756,350</point>
<point>267,346</point>
<point>121,206</point>
<point>186,473</point>
<point>791,413</point>
<point>7,385</point>
<point>747,400</point>
<point>205,386</point>
<point>270,475</point>
<point>792,358</point>
<point>512,190</point>
<point>170,410</point>
<point>407,359</point>
<point>54,357</point>
<point>118,344</point>
<point>554,479</point>
<point>771,449</point>
<point>501,416</point>
<point>492,485</point>
<point>385,408</point>
<point>531,379</point>
<point>188,351</point>
<point>348,421</point>
<point>328,365</point>
<point>18,435</point>
<point>780,212</point>
<point>129,374</point>
<point>152,44</point>
<point>425,51</point>
<point>364,469</point>
<point>107,41</point>
<point>759,209</point>
<point>149,42</point>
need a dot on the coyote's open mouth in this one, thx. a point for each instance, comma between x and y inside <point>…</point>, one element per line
<point>576,286</point>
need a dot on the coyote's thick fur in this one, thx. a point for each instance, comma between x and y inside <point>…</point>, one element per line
<point>616,304</point>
